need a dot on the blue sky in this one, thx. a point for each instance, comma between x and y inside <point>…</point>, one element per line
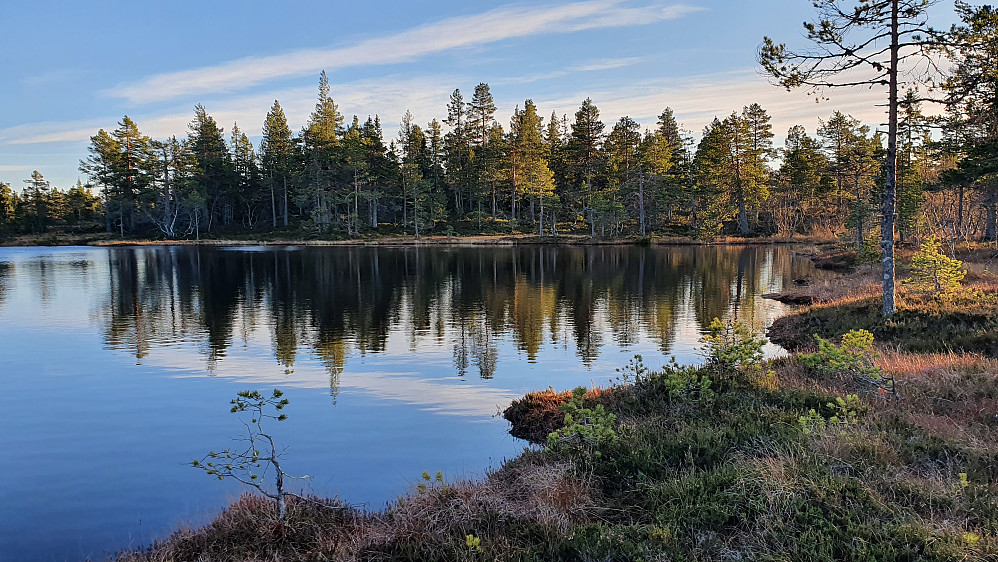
<point>69,69</point>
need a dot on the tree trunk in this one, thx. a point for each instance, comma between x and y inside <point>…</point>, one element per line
<point>540,230</point>
<point>742,214</point>
<point>991,216</point>
<point>859,216</point>
<point>641,202</point>
<point>273,203</point>
<point>285,202</point>
<point>890,187</point>
<point>959,211</point>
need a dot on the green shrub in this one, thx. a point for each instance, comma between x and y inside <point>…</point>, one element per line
<point>845,412</point>
<point>853,358</point>
<point>869,252</point>
<point>731,344</point>
<point>585,429</point>
<point>933,271</point>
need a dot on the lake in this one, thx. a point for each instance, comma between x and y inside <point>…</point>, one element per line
<point>118,365</point>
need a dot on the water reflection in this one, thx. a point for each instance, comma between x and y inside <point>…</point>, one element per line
<point>331,303</point>
<point>5,273</point>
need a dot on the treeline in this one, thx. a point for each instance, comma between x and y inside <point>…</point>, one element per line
<point>39,206</point>
<point>468,173</point>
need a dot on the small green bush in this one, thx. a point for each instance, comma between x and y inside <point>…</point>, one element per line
<point>585,429</point>
<point>869,252</point>
<point>731,345</point>
<point>933,271</point>
<point>852,358</point>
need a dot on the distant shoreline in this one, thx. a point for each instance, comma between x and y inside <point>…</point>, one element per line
<point>102,240</point>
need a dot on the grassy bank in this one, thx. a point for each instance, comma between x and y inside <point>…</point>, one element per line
<point>964,320</point>
<point>868,453</point>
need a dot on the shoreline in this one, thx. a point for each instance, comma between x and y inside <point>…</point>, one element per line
<point>429,241</point>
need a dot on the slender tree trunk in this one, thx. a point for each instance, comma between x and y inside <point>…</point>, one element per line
<point>859,216</point>
<point>273,204</point>
<point>959,211</point>
<point>540,230</point>
<point>285,202</point>
<point>991,215</point>
<point>641,202</point>
<point>890,187</point>
<point>589,195</point>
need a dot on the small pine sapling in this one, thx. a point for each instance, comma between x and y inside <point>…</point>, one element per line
<point>585,429</point>
<point>731,345</point>
<point>934,271</point>
<point>261,455</point>
<point>854,357</point>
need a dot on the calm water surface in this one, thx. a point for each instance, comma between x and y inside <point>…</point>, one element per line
<point>118,365</point>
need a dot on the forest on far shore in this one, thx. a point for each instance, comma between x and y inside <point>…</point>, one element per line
<point>467,173</point>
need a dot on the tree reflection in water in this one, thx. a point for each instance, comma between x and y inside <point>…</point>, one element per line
<point>335,302</point>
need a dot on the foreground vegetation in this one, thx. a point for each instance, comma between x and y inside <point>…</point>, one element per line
<point>851,452</point>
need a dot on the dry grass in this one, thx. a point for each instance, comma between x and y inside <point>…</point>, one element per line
<point>531,493</point>
<point>923,366</point>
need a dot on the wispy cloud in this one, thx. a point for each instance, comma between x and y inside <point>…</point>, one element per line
<point>696,100</point>
<point>606,64</point>
<point>460,32</point>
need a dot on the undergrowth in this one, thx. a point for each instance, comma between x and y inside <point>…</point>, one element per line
<point>783,460</point>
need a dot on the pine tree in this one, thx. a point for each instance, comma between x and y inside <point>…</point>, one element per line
<point>8,202</point>
<point>481,115</point>
<point>874,36</point>
<point>913,139</point>
<point>623,166</point>
<point>321,139</point>
<point>382,170</point>
<point>101,166</point>
<point>934,271</point>
<point>457,148</point>
<point>584,146</point>
<point>36,196</point>
<point>164,205</point>
<point>972,97</point>
<point>712,170</point>
<point>803,182</point>
<point>248,180</point>
<point>213,177</point>
<point>123,164</point>
<point>531,177</point>
<point>668,158</point>
<point>276,156</point>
